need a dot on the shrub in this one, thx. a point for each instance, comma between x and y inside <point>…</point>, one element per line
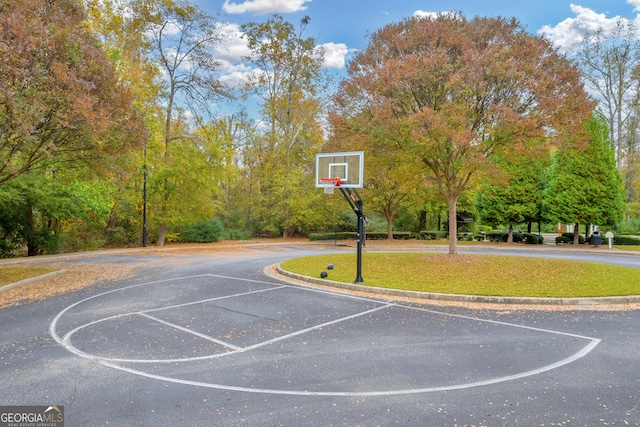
<point>333,235</point>
<point>532,239</point>
<point>431,235</point>
<point>570,236</point>
<point>236,234</point>
<point>202,232</point>
<point>623,241</point>
<point>400,235</point>
<point>350,235</point>
<point>631,226</point>
<point>501,236</point>
<point>465,237</point>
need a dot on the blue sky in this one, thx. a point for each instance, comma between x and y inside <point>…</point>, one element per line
<point>341,26</point>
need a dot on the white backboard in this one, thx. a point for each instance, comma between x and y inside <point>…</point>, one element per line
<point>349,167</point>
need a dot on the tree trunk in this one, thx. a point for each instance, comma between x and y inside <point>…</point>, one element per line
<point>389,227</point>
<point>510,234</point>
<point>161,233</point>
<point>32,243</point>
<point>576,234</point>
<point>113,216</point>
<point>453,225</point>
<point>422,220</point>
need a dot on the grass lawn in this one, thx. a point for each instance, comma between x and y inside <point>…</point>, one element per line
<point>10,275</point>
<point>628,248</point>
<point>486,275</point>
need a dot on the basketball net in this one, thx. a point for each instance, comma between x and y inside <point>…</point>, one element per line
<point>329,184</point>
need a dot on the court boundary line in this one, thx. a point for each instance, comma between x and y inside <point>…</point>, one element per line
<point>110,362</point>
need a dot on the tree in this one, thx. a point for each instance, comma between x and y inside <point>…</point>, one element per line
<point>450,91</point>
<point>34,215</point>
<point>584,185</point>
<point>122,26</point>
<point>516,198</point>
<point>391,182</point>
<point>182,44</point>
<point>609,60</point>
<point>59,95</point>
<point>289,84</point>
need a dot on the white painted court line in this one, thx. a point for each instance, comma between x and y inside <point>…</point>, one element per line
<point>583,352</point>
<point>497,322</point>
<point>313,328</point>
<point>236,349</point>
<point>66,339</point>
<point>189,331</point>
<point>113,363</point>
<point>212,299</point>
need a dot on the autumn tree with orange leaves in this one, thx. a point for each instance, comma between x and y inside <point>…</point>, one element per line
<point>60,100</point>
<point>449,93</point>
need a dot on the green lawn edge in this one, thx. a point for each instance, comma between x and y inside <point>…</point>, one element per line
<point>482,275</point>
<point>9,275</point>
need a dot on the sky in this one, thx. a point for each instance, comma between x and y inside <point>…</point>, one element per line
<point>342,26</point>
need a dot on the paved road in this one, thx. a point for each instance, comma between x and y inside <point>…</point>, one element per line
<point>204,339</point>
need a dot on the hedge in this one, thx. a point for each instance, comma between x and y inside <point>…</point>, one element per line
<point>623,241</point>
<point>431,235</point>
<point>351,235</point>
<point>568,238</point>
<point>619,240</point>
<point>500,236</point>
<point>518,237</point>
<point>533,239</point>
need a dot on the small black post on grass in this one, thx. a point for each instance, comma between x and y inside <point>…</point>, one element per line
<point>354,200</point>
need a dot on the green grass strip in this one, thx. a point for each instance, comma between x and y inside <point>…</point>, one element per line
<point>486,275</point>
<point>10,275</point>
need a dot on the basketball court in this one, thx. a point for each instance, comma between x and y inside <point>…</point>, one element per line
<point>273,337</point>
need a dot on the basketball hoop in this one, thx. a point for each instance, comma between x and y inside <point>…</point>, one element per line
<point>329,184</point>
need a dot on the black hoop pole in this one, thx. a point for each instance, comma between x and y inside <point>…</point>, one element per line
<point>354,200</point>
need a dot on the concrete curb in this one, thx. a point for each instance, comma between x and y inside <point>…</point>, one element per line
<point>461,298</point>
<point>31,280</point>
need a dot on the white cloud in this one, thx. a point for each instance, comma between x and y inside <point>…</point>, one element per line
<point>233,51</point>
<point>263,7</point>
<point>433,15</point>
<point>571,30</point>
<point>235,77</point>
<point>234,47</point>
<point>425,14</point>
<point>334,54</point>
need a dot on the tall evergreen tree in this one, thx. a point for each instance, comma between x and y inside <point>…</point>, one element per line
<point>515,199</point>
<point>584,184</point>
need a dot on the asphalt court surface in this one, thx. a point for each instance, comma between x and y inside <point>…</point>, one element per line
<point>271,337</point>
<point>205,338</point>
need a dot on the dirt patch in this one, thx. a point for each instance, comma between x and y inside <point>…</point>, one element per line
<point>75,278</point>
<point>80,277</point>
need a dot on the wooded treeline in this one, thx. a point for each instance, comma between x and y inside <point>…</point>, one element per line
<point>116,125</point>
